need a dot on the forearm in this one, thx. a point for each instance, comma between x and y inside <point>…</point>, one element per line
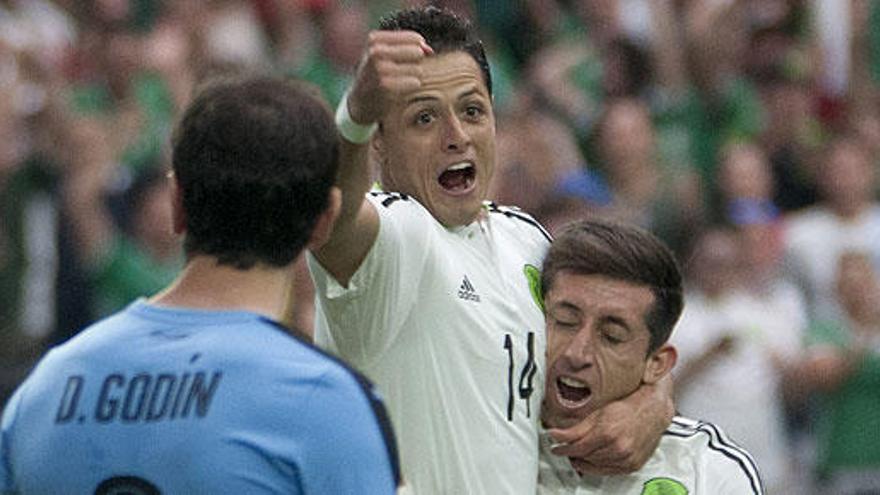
<point>357,225</point>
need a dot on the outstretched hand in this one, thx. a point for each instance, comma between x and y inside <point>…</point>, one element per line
<point>620,437</point>
<point>389,66</point>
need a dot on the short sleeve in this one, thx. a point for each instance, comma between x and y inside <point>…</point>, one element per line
<point>361,320</point>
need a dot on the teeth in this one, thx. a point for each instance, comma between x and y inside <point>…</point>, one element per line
<point>571,382</point>
<point>459,166</point>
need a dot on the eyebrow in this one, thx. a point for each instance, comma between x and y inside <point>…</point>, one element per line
<point>421,98</point>
<point>565,305</point>
<point>473,91</point>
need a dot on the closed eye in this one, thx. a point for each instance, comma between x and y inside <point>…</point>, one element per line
<point>564,324</point>
<point>612,339</point>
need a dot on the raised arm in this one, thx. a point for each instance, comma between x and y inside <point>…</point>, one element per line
<point>389,66</point>
<point>620,437</point>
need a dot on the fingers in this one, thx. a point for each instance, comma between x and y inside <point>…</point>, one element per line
<point>576,442</point>
<point>390,66</point>
<point>583,466</point>
<point>604,455</point>
<point>394,56</point>
<point>399,38</point>
<point>605,442</point>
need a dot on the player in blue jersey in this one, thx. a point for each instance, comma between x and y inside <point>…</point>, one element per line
<point>613,294</point>
<point>199,389</point>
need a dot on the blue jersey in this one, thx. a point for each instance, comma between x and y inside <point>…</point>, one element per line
<point>168,401</point>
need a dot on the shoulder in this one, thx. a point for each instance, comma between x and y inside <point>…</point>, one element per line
<point>335,374</point>
<point>395,203</point>
<point>517,219</point>
<point>723,461</point>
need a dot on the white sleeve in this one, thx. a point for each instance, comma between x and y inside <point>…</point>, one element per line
<point>361,320</point>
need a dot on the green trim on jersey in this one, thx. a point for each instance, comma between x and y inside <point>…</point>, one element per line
<point>533,275</point>
<point>664,486</point>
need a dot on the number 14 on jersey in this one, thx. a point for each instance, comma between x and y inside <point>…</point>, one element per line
<point>525,386</point>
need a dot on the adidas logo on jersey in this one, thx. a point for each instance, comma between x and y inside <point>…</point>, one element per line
<point>467,291</point>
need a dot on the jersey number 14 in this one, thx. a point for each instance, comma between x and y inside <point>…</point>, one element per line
<point>525,387</point>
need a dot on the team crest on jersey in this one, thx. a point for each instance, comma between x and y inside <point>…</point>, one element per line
<point>533,275</point>
<point>664,486</point>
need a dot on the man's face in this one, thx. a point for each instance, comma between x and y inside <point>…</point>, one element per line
<point>437,142</point>
<point>597,345</point>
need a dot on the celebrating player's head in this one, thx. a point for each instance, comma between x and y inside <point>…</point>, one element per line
<point>254,160</point>
<point>612,294</point>
<point>436,140</point>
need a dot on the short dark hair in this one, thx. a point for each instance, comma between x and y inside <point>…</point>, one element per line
<point>621,252</point>
<point>444,31</point>
<point>255,158</point>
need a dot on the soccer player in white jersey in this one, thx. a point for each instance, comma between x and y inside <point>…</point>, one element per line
<point>613,294</point>
<point>433,292</point>
<point>199,389</point>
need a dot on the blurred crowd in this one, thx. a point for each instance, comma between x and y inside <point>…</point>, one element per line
<point>745,133</point>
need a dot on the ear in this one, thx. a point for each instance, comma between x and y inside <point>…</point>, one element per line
<point>324,224</point>
<point>178,215</point>
<point>660,362</point>
<point>377,156</point>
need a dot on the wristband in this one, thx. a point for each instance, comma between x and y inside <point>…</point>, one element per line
<point>348,128</point>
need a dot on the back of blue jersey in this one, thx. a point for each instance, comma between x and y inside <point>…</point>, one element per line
<point>166,401</point>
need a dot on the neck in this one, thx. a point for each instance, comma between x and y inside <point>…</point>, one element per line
<point>204,284</point>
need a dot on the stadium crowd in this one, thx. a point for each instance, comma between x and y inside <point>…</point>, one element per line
<point>744,133</point>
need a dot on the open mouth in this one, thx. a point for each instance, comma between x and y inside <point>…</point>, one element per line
<point>572,393</point>
<point>458,178</point>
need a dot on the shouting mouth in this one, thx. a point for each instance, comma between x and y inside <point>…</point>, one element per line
<point>572,393</point>
<point>458,178</point>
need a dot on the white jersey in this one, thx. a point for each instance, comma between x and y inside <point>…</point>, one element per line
<point>693,458</point>
<point>447,322</point>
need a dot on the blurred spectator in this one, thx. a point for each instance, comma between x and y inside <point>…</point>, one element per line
<point>28,250</point>
<point>844,366</point>
<point>736,348</point>
<point>343,27</point>
<point>642,190</point>
<point>745,185</point>
<point>122,265</point>
<point>847,217</point>
<point>233,35</point>
<point>535,154</point>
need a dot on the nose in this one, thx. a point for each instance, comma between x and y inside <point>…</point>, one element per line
<point>455,136</point>
<point>579,351</point>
